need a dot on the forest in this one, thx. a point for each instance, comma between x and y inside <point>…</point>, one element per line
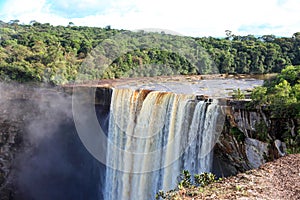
<point>59,54</point>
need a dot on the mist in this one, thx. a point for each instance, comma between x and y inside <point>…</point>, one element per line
<point>50,162</point>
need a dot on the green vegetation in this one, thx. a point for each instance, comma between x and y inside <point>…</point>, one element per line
<point>186,182</point>
<point>238,94</point>
<point>239,135</point>
<point>199,180</point>
<point>281,98</point>
<point>262,131</point>
<point>42,52</point>
<point>204,179</point>
<point>56,54</point>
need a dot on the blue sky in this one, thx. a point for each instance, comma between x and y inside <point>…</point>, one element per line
<point>188,17</point>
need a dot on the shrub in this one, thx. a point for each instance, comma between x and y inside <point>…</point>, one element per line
<point>204,179</point>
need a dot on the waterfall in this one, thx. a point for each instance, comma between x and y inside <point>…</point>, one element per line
<point>152,137</point>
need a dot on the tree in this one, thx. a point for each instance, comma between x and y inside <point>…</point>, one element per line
<point>238,94</point>
<point>291,74</point>
<point>229,34</point>
<point>258,95</point>
<point>268,38</point>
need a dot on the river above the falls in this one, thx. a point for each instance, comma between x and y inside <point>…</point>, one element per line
<point>214,86</point>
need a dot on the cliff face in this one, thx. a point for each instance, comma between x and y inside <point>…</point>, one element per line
<point>9,143</point>
<point>246,141</point>
<point>15,110</point>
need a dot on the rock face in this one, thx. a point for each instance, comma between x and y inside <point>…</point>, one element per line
<point>13,115</point>
<point>281,147</point>
<point>239,147</point>
<point>8,145</point>
<point>256,152</point>
<point>246,121</point>
<point>229,156</point>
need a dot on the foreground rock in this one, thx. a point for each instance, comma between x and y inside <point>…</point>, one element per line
<point>279,179</point>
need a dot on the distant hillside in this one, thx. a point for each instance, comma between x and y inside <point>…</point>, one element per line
<point>42,52</point>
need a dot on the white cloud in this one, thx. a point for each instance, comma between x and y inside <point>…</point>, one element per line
<point>16,8</point>
<point>27,10</point>
<point>189,17</point>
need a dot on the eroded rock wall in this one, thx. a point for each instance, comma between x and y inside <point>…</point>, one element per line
<point>15,110</point>
<point>246,141</point>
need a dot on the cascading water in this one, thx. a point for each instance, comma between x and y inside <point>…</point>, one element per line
<point>153,136</point>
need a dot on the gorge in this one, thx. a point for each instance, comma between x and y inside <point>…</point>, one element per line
<point>152,135</point>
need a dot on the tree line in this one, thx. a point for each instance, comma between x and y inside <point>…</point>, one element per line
<point>60,54</point>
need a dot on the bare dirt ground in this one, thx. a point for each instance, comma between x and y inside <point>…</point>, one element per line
<point>279,179</point>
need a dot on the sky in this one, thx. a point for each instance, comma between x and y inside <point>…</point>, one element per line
<point>195,18</point>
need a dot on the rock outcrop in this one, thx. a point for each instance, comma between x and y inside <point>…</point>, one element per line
<point>245,142</point>
<point>256,152</point>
